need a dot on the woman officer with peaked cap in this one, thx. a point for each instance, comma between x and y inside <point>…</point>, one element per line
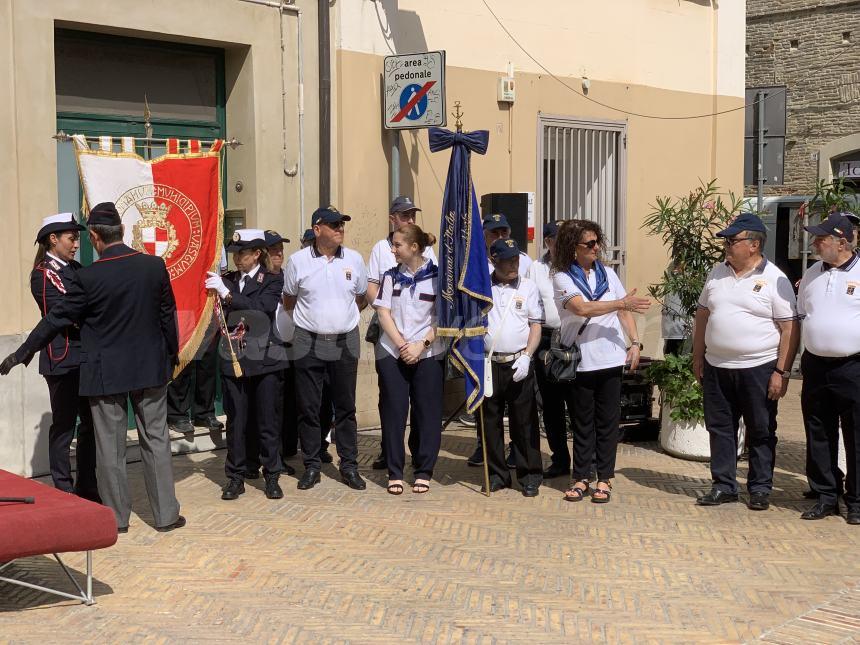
<point>53,267</point>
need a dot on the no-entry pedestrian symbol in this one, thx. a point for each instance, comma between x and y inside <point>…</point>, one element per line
<point>414,90</point>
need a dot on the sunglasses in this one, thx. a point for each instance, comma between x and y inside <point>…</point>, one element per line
<point>591,244</point>
<point>335,225</point>
<point>731,241</point>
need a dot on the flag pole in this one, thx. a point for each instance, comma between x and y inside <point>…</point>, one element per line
<point>484,450</point>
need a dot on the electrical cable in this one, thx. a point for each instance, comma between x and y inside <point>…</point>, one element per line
<point>639,114</point>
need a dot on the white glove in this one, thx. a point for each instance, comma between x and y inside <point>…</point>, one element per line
<point>521,367</point>
<point>215,283</point>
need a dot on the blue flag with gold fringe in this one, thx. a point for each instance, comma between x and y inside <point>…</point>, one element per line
<point>464,278</point>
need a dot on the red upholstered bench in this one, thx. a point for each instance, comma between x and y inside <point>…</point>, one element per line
<point>56,523</point>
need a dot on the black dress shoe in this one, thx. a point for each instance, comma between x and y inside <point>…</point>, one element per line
<point>326,458</point>
<point>352,479</point>
<point>477,458</point>
<point>252,474</point>
<point>211,423</point>
<point>122,529</point>
<point>759,502</point>
<point>310,479</point>
<point>531,490</point>
<point>233,489</point>
<point>496,484</point>
<point>717,497</point>
<point>178,524</point>
<point>556,471</point>
<point>853,516</point>
<point>820,511</point>
<point>182,425</point>
<point>379,463</point>
<point>273,489</point>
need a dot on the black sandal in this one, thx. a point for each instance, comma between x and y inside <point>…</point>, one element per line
<point>605,494</point>
<point>574,494</point>
<point>420,488</point>
<point>395,489</point>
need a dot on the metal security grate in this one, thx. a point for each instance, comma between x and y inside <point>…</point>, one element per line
<point>582,167</point>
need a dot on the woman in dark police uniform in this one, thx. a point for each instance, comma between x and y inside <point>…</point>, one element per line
<point>250,296</point>
<point>58,240</point>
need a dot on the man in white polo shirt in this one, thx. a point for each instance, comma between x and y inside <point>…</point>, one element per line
<point>745,338</point>
<point>402,211</point>
<point>513,336</point>
<point>828,301</point>
<point>325,286</point>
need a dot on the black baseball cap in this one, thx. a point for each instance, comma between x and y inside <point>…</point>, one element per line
<point>273,237</point>
<point>836,224</point>
<point>504,249</point>
<point>328,215</point>
<point>494,221</point>
<point>744,222</point>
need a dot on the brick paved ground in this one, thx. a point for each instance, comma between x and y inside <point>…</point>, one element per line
<point>334,565</point>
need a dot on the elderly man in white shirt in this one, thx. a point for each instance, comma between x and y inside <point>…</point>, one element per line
<point>745,338</point>
<point>828,301</point>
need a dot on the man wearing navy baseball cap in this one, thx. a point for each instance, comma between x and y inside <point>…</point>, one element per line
<point>828,301</point>
<point>744,341</point>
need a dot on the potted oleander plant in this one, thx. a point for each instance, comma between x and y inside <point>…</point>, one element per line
<point>687,226</point>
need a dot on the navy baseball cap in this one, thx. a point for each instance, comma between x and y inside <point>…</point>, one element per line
<point>104,214</point>
<point>328,215</point>
<point>402,204</point>
<point>550,229</point>
<point>494,221</point>
<point>273,237</point>
<point>504,249</point>
<point>836,224</point>
<point>308,236</point>
<point>744,222</point>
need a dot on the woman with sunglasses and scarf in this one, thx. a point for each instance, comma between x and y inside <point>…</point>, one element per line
<point>409,366</point>
<point>595,313</point>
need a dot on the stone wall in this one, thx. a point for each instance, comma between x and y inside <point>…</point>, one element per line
<point>799,43</point>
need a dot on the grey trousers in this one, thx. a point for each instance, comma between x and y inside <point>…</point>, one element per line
<point>110,421</point>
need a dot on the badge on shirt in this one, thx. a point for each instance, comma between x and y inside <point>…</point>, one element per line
<point>851,286</point>
<point>348,273</point>
<point>260,277</point>
<point>759,284</point>
<point>518,303</point>
<point>54,265</point>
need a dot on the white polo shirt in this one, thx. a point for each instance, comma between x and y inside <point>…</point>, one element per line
<point>382,259</point>
<point>284,325</point>
<point>414,312</point>
<point>828,300</point>
<point>325,290</point>
<point>523,270</point>
<point>602,341</point>
<point>539,273</point>
<point>512,334</point>
<point>742,330</point>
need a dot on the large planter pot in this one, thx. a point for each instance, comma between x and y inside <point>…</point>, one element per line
<point>688,439</point>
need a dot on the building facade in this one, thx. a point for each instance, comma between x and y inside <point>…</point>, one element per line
<point>613,106</point>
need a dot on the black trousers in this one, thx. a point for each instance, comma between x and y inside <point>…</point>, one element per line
<point>319,361</point>
<point>199,401</point>
<point>553,397</point>
<point>66,407</point>
<point>288,414</point>
<point>730,394</point>
<point>831,392</point>
<point>420,386</point>
<point>596,399</point>
<point>522,417</point>
<point>250,406</point>
<point>412,442</point>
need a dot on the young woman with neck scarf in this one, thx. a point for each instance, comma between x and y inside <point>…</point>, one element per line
<point>596,313</point>
<point>409,358</point>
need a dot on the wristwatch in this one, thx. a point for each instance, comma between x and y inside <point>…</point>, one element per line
<point>782,373</point>
<point>636,343</point>
<point>426,343</point>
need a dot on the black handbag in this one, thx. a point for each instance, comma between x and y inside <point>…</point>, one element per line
<point>374,330</point>
<point>561,362</point>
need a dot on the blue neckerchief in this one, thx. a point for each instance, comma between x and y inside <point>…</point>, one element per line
<point>577,274</point>
<point>426,272</point>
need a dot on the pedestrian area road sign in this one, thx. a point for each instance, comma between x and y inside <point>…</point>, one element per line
<point>414,91</point>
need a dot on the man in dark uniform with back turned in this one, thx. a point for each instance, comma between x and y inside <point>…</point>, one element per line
<point>124,306</point>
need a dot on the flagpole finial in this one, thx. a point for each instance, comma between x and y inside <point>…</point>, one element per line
<point>458,116</point>
<point>147,115</point>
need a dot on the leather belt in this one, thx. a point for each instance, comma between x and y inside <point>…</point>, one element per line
<point>328,337</point>
<point>509,357</point>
